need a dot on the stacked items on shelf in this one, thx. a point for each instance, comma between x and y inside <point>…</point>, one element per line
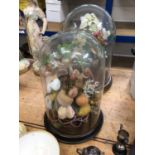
<point>56,10</point>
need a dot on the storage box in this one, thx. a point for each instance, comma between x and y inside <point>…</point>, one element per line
<point>55,16</point>
<point>56,12</point>
<point>56,7</point>
<point>54,1</point>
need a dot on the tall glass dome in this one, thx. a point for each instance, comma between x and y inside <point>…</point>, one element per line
<point>72,73</point>
<point>95,20</point>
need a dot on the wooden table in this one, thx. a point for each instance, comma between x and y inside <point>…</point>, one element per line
<point>117,105</point>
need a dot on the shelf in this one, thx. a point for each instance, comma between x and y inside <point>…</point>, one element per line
<point>121,31</point>
<point>123,28</point>
<point>125,31</point>
<point>54,27</point>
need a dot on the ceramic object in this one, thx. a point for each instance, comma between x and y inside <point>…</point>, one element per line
<point>119,148</point>
<point>22,129</point>
<point>32,13</point>
<point>90,150</point>
<point>24,65</point>
<point>38,143</point>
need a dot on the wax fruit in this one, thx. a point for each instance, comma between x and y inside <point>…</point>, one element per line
<point>73,92</point>
<point>62,111</point>
<point>74,74</point>
<point>64,99</point>
<point>66,112</point>
<point>82,100</point>
<point>70,112</point>
<point>84,110</point>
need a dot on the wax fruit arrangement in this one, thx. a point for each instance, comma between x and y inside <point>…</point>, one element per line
<point>72,71</point>
<point>95,20</point>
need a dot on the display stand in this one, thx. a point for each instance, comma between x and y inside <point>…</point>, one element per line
<point>74,139</point>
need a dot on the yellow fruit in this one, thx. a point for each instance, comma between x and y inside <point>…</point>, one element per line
<point>85,110</point>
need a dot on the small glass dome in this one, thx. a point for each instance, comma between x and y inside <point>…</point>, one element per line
<point>72,72</point>
<point>95,20</point>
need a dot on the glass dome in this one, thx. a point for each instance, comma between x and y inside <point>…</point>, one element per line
<point>95,20</point>
<point>72,73</point>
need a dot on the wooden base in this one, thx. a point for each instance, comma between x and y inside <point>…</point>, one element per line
<point>76,139</point>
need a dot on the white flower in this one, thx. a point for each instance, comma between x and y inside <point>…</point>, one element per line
<point>106,33</point>
<point>99,26</point>
<point>91,22</point>
<point>54,85</point>
<point>93,28</point>
<point>83,24</point>
<point>88,16</point>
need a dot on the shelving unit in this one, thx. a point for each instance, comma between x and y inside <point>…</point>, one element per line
<point>123,35</point>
